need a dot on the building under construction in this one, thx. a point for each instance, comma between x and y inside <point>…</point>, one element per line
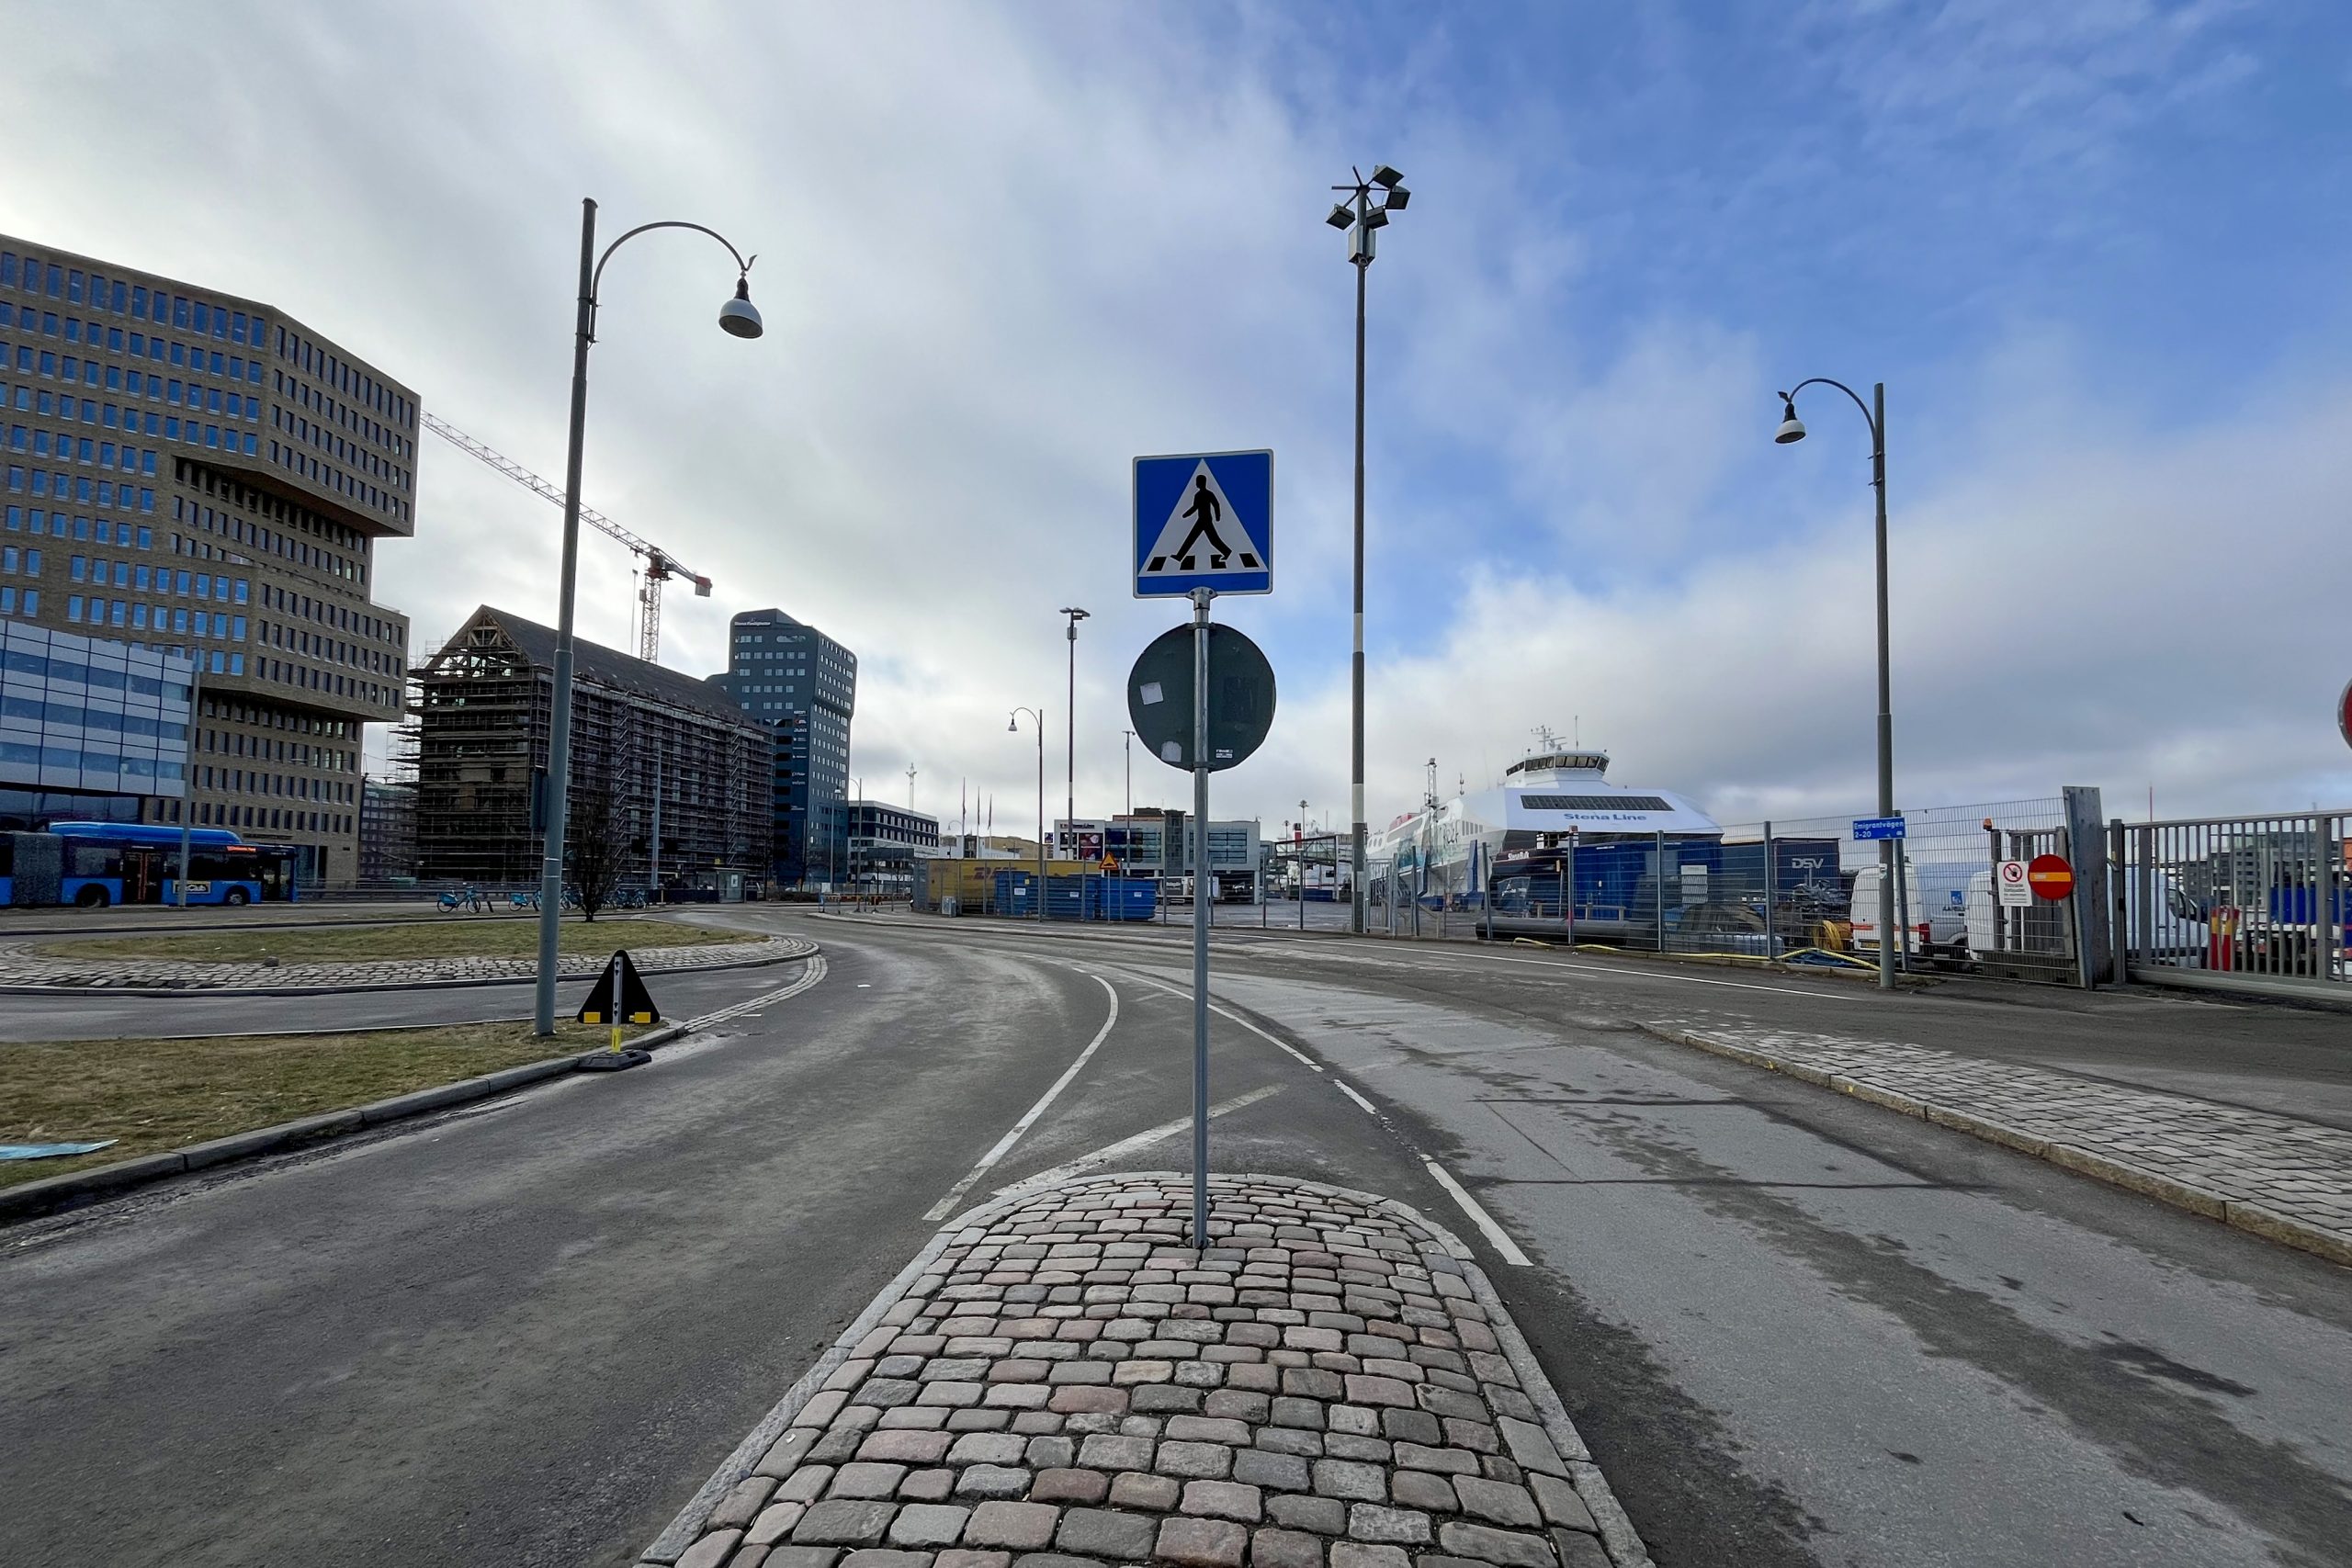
<point>675,774</point>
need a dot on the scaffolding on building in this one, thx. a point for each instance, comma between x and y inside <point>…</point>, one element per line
<point>667,765</point>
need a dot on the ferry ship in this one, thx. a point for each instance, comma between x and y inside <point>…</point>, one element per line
<point>1557,844</point>
<point>1450,850</point>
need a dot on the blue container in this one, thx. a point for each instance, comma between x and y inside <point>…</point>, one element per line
<point>1122,898</point>
<point>1016,894</point>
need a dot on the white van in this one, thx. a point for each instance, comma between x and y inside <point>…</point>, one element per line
<point>1938,916</point>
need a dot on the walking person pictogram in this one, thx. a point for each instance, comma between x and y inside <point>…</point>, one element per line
<point>1206,511</point>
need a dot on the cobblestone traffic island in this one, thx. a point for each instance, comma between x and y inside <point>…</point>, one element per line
<point>21,967</point>
<point>1059,1381</point>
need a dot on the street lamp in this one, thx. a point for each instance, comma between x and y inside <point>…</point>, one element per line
<point>737,318</point>
<point>1363,218</point>
<point>1012,723</point>
<point>1070,750</point>
<point>1791,432</point>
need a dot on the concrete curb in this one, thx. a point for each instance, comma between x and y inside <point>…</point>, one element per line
<point>806,946</point>
<point>35,1198</point>
<point>1618,1537</point>
<point>2238,1213</point>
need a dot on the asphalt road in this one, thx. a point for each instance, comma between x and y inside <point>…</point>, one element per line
<point>1795,1328</point>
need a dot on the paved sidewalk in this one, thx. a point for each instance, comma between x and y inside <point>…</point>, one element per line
<point>1060,1382</point>
<point>2277,1177</point>
<point>20,967</point>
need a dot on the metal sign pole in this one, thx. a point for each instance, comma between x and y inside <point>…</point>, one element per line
<point>1201,894</point>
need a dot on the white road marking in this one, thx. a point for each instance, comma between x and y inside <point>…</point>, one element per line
<point>1308,1062</point>
<point>946,1205</point>
<point>1369,1109</point>
<point>1140,1141</point>
<point>808,976</point>
<point>1479,1216</point>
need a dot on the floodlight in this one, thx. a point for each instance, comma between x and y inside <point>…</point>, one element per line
<point>738,317</point>
<point>1376,218</point>
<point>1342,216</point>
<point>1398,197</point>
<point>1385,175</point>
<point>1791,427</point>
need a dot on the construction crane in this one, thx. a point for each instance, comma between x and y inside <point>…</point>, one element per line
<point>660,564</point>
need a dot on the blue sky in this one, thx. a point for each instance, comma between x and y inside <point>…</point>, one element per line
<point>2095,250</point>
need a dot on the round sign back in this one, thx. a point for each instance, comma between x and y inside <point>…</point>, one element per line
<point>1241,697</point>
<point>2344,713</point>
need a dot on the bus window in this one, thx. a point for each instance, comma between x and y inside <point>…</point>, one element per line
<point>84,859</point>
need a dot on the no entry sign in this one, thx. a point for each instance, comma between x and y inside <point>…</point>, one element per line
<point>2050,877</point>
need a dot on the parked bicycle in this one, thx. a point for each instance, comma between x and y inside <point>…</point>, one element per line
<point>472,899</point>
<point>523,898</point>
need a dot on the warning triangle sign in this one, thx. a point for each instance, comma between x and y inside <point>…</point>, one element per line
<point>619,996</point>
<point>1204,535</point>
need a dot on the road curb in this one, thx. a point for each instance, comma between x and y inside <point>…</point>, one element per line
<point>2256,1219</point>
<point>770,1448</point>
<point>808,948</point>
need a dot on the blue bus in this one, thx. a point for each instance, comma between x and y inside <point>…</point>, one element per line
<point>94,864</point>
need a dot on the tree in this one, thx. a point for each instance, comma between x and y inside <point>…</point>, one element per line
<point>599,849</point>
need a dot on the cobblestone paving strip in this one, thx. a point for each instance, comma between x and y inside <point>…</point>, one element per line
<point>2277,1177</point>
<point>21,967</point>
<point>1058,1381</point>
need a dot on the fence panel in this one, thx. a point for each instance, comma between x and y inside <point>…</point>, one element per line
<point>2248,903</point>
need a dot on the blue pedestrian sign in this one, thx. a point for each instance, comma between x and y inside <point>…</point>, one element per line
<point>1205,520</point>
<point>1869,827</point>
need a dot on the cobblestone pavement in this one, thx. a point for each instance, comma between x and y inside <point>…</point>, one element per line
<point>20,967</point>
<point>2274,1176</point>
<point>1061,1382</point>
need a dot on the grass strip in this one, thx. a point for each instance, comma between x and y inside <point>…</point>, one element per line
<point>453,937</point>
<point>154,1095</point>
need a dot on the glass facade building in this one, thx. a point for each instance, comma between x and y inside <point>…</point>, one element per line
<point>187,471</point>
<point>803,685</point>
<point>89,730</point>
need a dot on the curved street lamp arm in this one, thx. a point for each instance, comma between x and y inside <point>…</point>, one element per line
<point>1790,397</point>
<point>597,279</point>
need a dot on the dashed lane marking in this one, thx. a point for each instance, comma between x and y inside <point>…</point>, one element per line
<point>1479,1215</point>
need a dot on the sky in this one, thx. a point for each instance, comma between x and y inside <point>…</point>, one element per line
<point>2095,250</point>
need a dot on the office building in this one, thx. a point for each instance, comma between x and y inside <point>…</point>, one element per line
<point>802,686</point>
<point>668,768</point>
<point>884,841</point>
<point>198,474</point>
<point>387,829</point>
<point>90,732</point>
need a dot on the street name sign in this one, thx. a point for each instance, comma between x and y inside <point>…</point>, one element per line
<point>1203,520</point>
<point>1867,829</point>
<point>2009,879</point>
<point>2051,878</point>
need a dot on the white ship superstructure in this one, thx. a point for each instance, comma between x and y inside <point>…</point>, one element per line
<point>1450,849</point>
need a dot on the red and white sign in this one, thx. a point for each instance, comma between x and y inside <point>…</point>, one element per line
<point>2008,880</point>
<point>2050,877</point>
<point>2344,713</point>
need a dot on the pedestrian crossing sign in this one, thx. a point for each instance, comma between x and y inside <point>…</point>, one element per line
<point>1205,520</point>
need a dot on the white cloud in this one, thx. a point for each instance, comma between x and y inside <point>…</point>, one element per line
<point>1002,250</point>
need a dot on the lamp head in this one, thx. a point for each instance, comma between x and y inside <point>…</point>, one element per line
<point>1792,428</point>
<point>738,317</point>
<point>1398,197</point>
<point>1387,178</point>
<point>1012,724</point>
<point>1342,216</point>
<point>1376,218</point>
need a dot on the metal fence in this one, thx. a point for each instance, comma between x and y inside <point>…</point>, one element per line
<point>2240,903</point>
